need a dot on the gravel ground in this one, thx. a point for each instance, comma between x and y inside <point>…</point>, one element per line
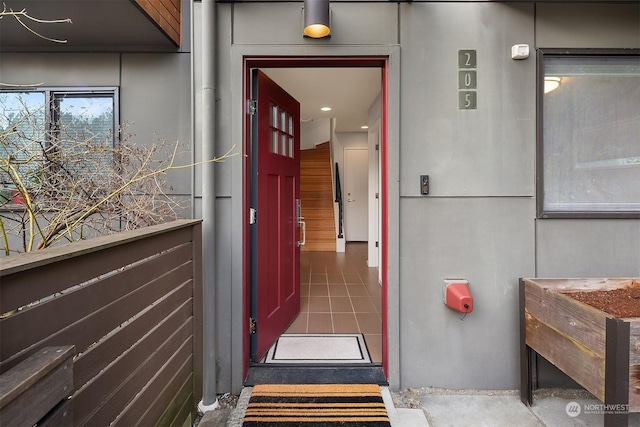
<point>226,401</point>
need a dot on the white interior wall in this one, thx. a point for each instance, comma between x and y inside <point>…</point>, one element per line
<point>314,131</point>
<point>375,141</point>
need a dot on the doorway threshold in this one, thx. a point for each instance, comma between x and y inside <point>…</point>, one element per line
<point>261,373</point>
<point>310,349</point>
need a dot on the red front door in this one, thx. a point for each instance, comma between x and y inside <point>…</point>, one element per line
<point>275,300</point>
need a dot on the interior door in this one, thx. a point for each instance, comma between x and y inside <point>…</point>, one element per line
<point>275,197</point>
<point>356,182</point>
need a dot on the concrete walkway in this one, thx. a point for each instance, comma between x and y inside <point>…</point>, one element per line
<point>551,408</point>
<point>447,408</point>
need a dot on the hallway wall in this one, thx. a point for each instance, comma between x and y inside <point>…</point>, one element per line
<point>314,132</point>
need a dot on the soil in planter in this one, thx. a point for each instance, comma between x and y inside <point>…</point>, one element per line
<point>623,302</point>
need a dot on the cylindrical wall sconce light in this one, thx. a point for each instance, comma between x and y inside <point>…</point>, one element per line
<point>316,18</point>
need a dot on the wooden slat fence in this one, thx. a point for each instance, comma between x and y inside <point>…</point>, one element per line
<point>131,304</point>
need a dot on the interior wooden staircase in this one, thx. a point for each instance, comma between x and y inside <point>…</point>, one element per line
<point>316,195</point>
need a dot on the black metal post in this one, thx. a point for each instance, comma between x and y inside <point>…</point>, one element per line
<point>527,355</point>
<point>339,201</point>
<point>616,373</point>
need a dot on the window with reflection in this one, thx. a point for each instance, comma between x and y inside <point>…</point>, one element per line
<point>47,132</point>
<point>589,145</point>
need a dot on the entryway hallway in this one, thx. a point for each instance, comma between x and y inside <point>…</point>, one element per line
<point>340,294</point>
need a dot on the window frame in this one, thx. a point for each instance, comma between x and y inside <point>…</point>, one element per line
<point>54,94</point>
<point>51,94</point>
<point>540,74</point>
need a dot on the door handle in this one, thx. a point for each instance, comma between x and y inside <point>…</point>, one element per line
<point>302,225</point>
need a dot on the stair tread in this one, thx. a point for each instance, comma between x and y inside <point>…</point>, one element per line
<point>317,197</point>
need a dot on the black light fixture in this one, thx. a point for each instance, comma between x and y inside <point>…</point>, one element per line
<point>316,18</point>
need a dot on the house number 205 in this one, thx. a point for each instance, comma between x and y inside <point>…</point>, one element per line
<point>467,80</point>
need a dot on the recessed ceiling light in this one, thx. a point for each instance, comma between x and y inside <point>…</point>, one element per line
<point>325,109</point>
<point>364,127</point>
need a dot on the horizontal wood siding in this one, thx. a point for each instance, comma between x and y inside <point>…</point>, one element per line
<point>132,306</point>
<point>166,14</point>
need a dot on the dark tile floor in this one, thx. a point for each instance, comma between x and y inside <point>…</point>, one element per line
<point>340,294</point>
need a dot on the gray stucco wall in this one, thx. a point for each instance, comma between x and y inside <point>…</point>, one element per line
<point>479,222</point>
<point>145,81</point>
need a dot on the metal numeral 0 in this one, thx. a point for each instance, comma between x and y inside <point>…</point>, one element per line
<point>467,80</point>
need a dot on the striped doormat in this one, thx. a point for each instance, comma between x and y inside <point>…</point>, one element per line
<point>315,405</point>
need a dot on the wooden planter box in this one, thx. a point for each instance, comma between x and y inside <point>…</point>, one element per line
<point>597,350</point>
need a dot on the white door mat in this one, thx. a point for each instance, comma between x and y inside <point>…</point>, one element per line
<point>319,348</point>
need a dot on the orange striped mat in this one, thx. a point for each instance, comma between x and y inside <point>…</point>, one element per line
<point>314,405</point>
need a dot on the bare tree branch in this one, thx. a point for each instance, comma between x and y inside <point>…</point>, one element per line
<point>19,15</point>
<point>23,13</point>
<point>70,183</point>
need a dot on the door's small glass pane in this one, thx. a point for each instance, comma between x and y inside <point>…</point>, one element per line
<point>283,121</point>
<point>291,146</point>
<point>290,127</point>
<point>273,116</point>
<point>283,144</point>
<point>273,141</point>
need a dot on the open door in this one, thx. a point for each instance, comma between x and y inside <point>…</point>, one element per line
<point>275,195</point>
